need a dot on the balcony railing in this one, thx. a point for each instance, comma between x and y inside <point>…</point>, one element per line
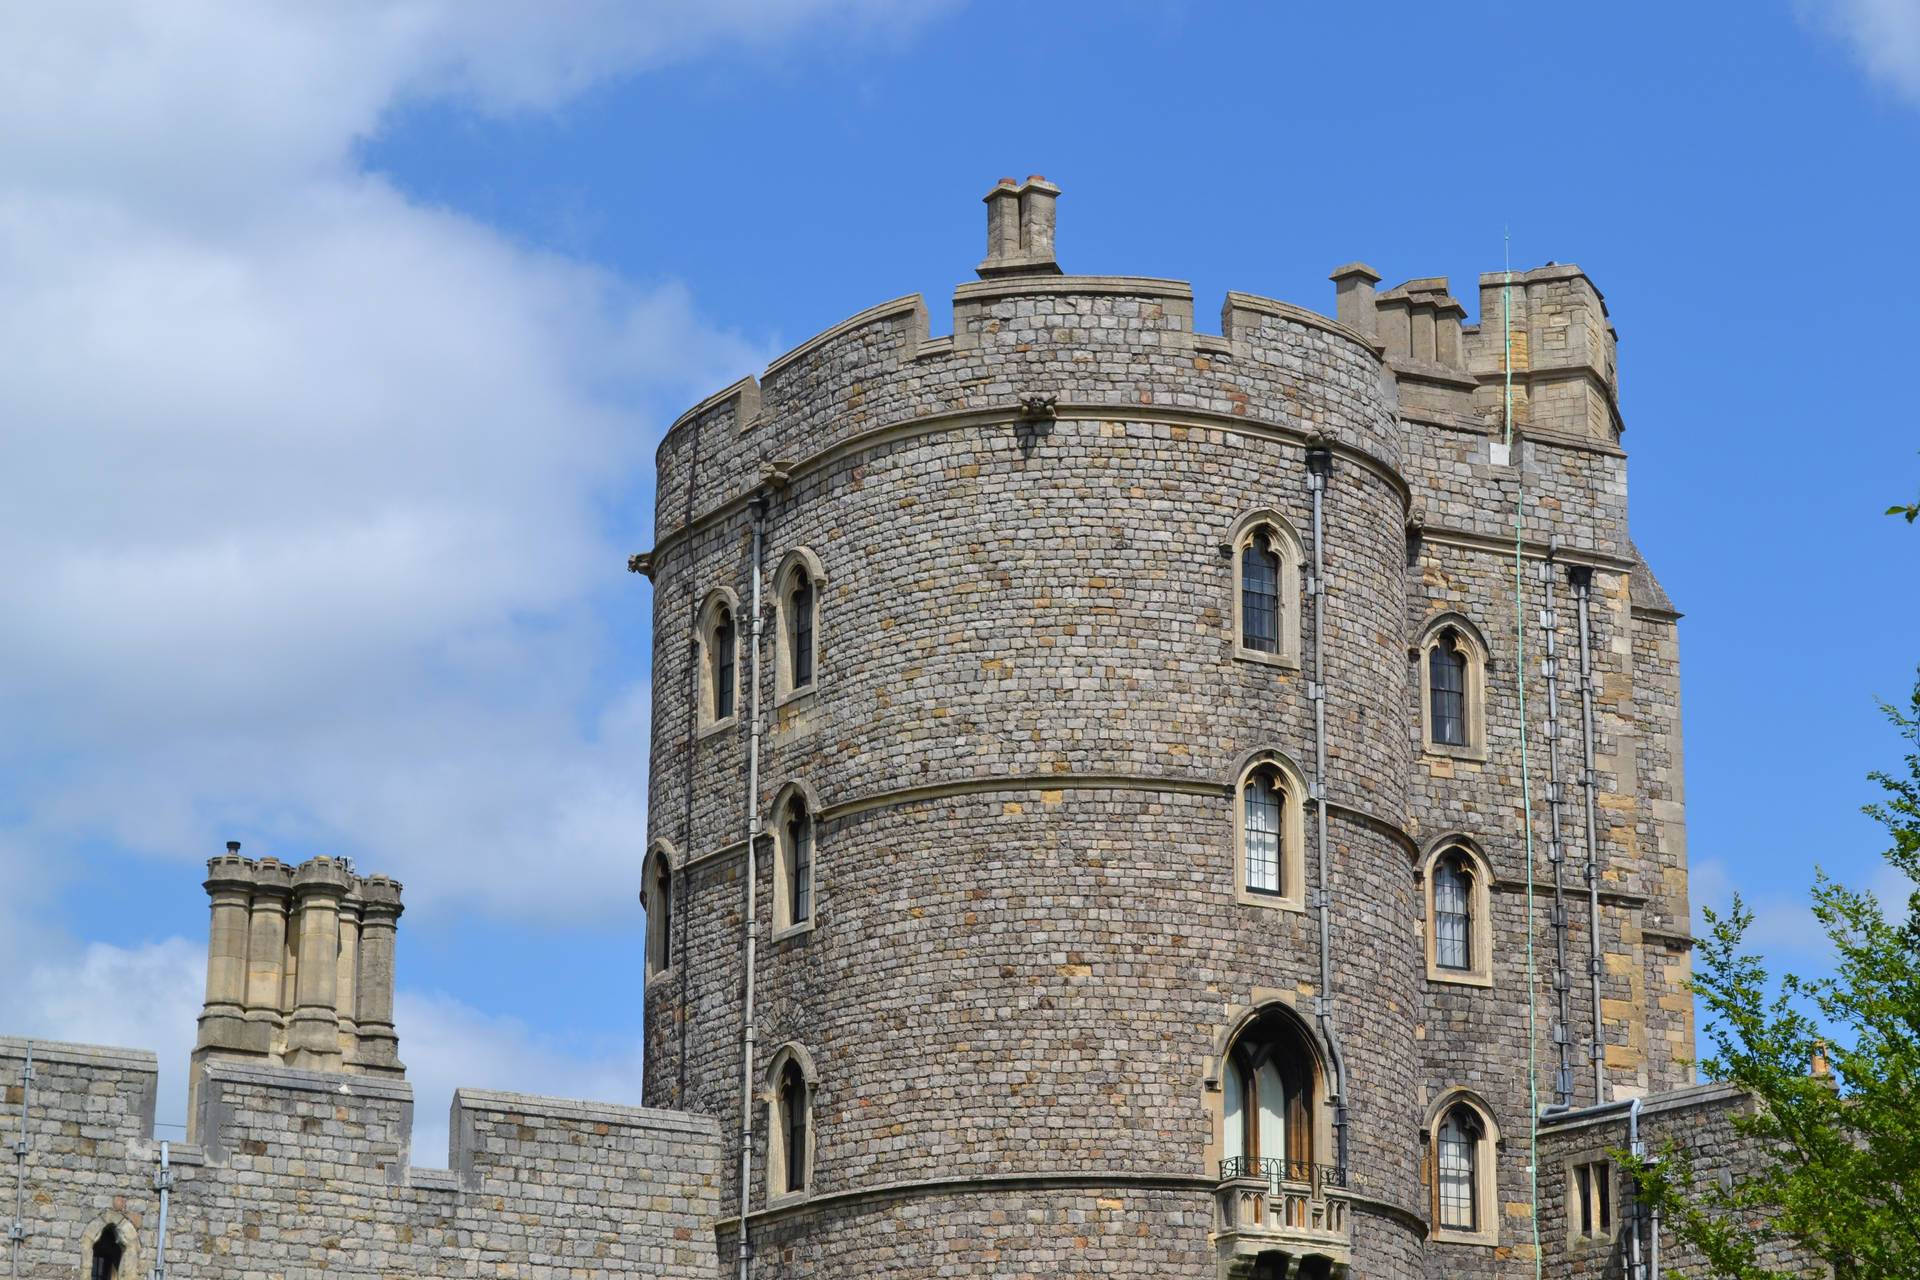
<point>1292,1207</point>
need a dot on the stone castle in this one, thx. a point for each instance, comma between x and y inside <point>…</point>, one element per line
<point>1124,801</point>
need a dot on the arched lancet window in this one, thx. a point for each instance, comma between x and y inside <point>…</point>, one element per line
<point>797,853</point>
<point>105,1255</point>
<point>1259,597</point>
<point>799,628</point>
<point>1447,686</point>
<point>1453,941</point>
<point>1457,1142</point>
<point>1264,606</point>
<point>657,898</point>
<point>725,654</point>
<point>1263,800</point>
<point>1268,1103</point>
<point>793,1125</point>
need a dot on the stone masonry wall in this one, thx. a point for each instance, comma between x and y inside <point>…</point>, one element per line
<point>304,1173</point>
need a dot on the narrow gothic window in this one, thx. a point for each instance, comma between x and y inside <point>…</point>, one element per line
<point>1447,676</point>
<point>1458,1150</point>
<point>799,869</point>
<point>723,660</point>
<point>1452,914</point>
<point>659,917</point>
<point>1259,597</point>
<point>793,1124</point>
<point>1264,800</point>
<point>800,606</point>
<point>106,1254</point>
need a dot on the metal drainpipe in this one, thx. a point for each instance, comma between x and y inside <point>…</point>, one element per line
<point>17,1233</point>
<point>163,1183</point>
<point>1582,578</point>
<point>1634,1148</point>
<point>758,504</point>
<point>1556,848</point>
<point>1319,467</point>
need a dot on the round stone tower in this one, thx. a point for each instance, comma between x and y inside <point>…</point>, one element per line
<point>1075,742</point>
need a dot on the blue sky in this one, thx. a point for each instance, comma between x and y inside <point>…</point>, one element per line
<point>340,340</point>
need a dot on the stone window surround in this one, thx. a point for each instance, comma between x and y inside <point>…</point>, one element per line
<point>1293,827</point>
<point>1213,1075</point>
<point>704,627</point>
<point>1479,662</point>
<point>1599,1240</point>
<point>1486,1182</point>
<point>123,1231</point>
<point>798,560</point>
<point>777,1194</point>
<point>659,950</point>
<point>1480,974</point>
<point>1268,524</point>
<point>784,926</point>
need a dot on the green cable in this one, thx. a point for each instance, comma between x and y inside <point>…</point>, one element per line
<point>1526,780</point>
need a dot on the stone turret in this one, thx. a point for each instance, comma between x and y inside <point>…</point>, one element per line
<point>299,967</point>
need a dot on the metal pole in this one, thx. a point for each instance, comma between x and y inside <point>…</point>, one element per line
<point>163,1183</point>
<point>1582,590</point>
<point>1556,848</point>
<point>759,506</point>
<point>1319,467</point>
<point>17,1233</point>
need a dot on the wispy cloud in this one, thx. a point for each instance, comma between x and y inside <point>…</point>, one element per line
<point>1884,36</point>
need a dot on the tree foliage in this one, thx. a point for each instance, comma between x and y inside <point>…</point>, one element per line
<point>1839,1169</point>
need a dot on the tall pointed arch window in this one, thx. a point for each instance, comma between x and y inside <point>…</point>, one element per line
<point>1456,1160</point>
<point>717,675</point>
<point>726,653</point>
<point>793,1125</point>
<point>796,835</point>
<point>1461,1159</point>
<point>1268,1085</point>
<point>1267,829</point>
<point>800,630</point>
<point>1265,599</point>
<point>1459,905</point>
<point>798,585</point>
<point>656,897</point>
<point>1453,664</point>
<point>787,1090</point>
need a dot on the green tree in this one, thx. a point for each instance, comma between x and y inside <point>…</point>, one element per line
<point>1839,1171</point>
<point>1911,512</point>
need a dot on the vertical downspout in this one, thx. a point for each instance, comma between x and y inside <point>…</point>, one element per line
<point>758,503</point>
<point>1319,467</point>
<point>163,1183</point>
<point>1556,848</point>
<point>1582,578</point>
<point>1636,1149</point>
<point>17,1233</point>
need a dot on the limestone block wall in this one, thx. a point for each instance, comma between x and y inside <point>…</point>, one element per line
<point>1028,715</point>
<point>305,1173</point>
<point>1699,1120</point>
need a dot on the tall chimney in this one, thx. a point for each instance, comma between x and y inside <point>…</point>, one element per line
<point>1020,229</point>
<point>1353,297</point>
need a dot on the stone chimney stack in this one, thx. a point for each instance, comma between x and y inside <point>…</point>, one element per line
<point>299,967</point>
<point>1353,297</point>
<point>1020,229</point>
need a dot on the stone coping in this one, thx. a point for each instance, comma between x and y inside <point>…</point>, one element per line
<point>906,305</point>
<point>1054,286</point>
<point>529,1104</point>
<point>80,1055</point>
<point>301,1080</point>
<point>1684,1098</point>
<point>1299,315</point>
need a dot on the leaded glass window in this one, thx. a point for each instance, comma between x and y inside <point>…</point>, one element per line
<point>799,864</point>
<point>1458,1144</point>
<point>1264,802</point>
<point>1260,597</point>
<point>1447,677</point>
<point>723,660</point>
<point>793,1120</point>
<point>1452,914</point>
<point>800,604</point>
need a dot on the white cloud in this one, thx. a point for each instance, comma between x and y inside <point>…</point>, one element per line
<point>308,521</point>
<point>446,1045</point>
<point>1884,36</point>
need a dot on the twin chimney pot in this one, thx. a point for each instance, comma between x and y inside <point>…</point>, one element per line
<point>1020,229</point>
